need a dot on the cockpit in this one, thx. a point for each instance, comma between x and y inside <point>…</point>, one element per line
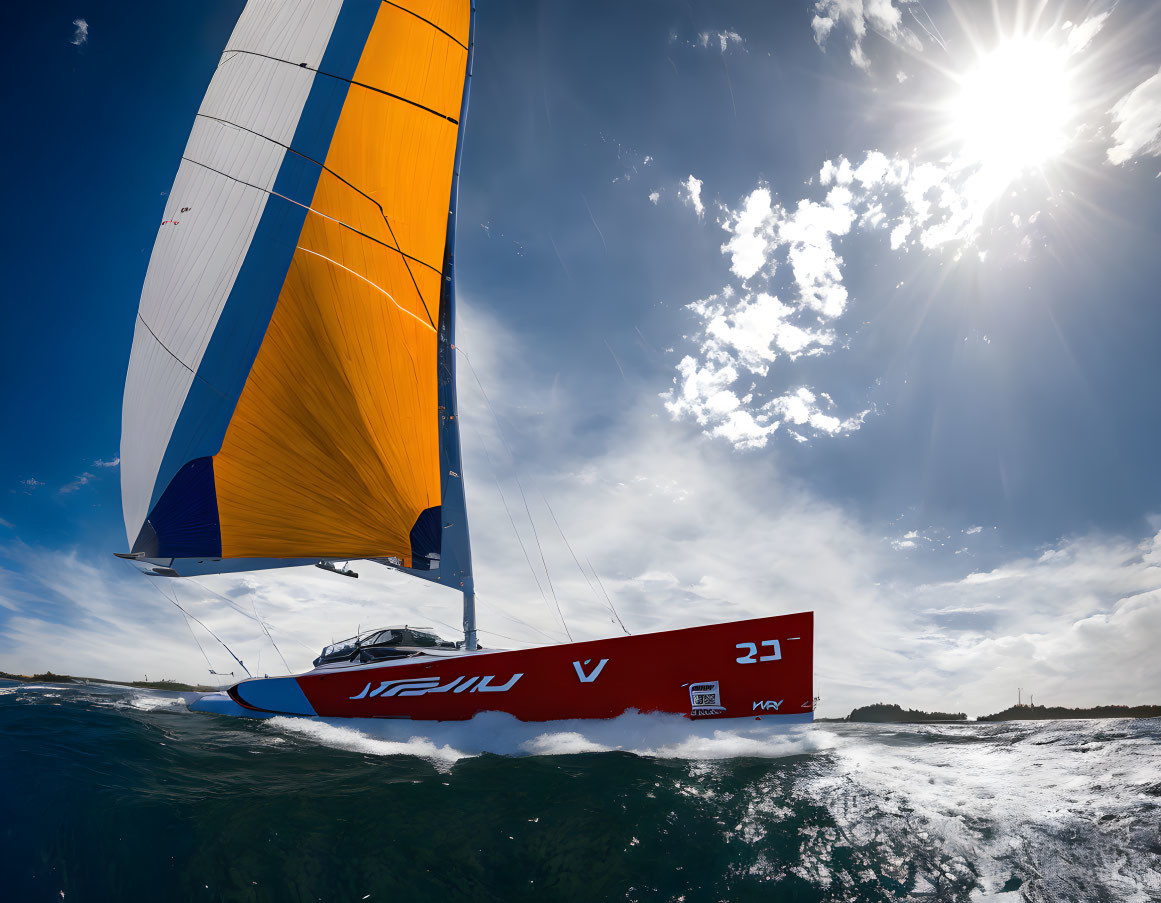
<point>384,645</point>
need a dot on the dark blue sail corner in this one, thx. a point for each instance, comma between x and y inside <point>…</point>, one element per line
<point>426,535</point>
<point>184,522</point>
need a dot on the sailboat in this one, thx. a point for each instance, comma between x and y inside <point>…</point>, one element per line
<point>291,390</point>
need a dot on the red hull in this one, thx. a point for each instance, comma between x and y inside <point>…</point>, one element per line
<point>761,667</point>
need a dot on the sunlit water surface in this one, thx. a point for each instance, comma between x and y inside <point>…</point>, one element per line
<point>115,794</point>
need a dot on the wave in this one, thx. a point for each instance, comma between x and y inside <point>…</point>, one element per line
<point>1035,812</point>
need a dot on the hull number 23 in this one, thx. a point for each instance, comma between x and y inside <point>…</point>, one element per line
<point>752,656</point>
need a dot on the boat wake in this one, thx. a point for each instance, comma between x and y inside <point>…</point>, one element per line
<point>656,735</point>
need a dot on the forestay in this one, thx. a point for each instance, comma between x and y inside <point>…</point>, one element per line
<point>291,388</point>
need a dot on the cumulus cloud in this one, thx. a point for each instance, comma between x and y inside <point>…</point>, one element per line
<point>112,462</point>
<point>1138,119</point>
<point>654,197</point>
<point>753,232</point>
<point>691,194</point>
<point>744,330</point>
<point>856,18</point>
<point>80,32</point>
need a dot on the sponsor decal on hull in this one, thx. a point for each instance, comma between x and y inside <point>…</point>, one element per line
<point>421,686</point>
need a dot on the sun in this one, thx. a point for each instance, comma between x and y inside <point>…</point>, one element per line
<point>1012,110</point>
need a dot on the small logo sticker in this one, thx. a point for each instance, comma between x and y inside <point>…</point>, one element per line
<point>705,698</point>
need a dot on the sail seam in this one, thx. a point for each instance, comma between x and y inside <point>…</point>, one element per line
<point>386,221</point>
<point>428,21</point>
<point>390,297</point>
<point>349,81</point>
<point>326,168</point>
<point>310,209</point>
<point>168,351</point>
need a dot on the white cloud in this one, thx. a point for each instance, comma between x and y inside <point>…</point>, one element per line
<point>29,485</point>
<point>1080,36</point>
<point>80,33</point>
<point>722,39</point>
<point>112,462</point>
<point>727,383</point>
<point>753,233</point>
<point>972,531</point>
<point>76,484</point>
<point>654,197</point>
<point>802,407</point>
<point>857,17</point>
<point>1138,119</point>
<point>692,194</point>
<point>809,234</point>
<point>1056,623</point>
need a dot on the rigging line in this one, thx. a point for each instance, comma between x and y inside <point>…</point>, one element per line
<point>266,630</point>
<point>511,519</point>
<point>568,546</point>
<point>372,284</point>
<point>189,627</point>
<point>926,30</point>
<point>257,617</point>
<point>601,584</point>
<point>406,257</point>
<point>310,209</point>
<point>349,81</point>
<point>521,622</point>
<point>480,630</point>
<point>207,629</point>
<point>201,379</point>
<point>197,642</point>
<point>230,602</point>
<point>421,19</point>
<point>936,27</point>
<point>199,621</point>
<point>520,486</point>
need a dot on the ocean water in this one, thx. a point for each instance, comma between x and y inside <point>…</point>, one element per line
<point>125,795</point>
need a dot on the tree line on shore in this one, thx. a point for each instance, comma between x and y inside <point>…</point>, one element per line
<point>890,713</point>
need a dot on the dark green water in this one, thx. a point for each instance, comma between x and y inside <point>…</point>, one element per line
<point>118,795</point>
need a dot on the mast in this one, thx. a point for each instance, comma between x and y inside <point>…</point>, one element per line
<point>456,553</point>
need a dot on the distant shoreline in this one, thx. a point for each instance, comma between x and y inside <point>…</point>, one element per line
<point>890,713</point>
<point>49,678</point>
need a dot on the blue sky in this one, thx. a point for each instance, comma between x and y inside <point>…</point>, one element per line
<point>774,305</point>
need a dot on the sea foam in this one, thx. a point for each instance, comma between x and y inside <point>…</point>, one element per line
<point>657,735</point>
